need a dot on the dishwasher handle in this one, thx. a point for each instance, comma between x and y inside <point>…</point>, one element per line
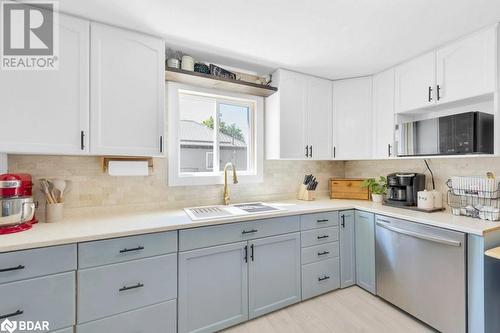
<point>430,238</point>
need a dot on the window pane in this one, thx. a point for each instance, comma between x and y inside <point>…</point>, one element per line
<point>234,135</point>
<point>196,133</point>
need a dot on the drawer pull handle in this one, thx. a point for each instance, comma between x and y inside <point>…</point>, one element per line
<point>323,253</point>
<point>244,232</point>
<point>13,314</point>
<point>125,288</point>
<point>326,277</point>
<point>324,236</point>
<point>12,269</point>
<point>139,248</point>
<point>322,220</point>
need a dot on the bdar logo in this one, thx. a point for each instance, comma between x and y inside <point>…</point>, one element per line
<point>8,326</point>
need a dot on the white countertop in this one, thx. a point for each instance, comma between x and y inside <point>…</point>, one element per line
<point>101,226</point>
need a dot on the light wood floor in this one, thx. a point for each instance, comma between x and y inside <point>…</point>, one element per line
<point>343,311</point>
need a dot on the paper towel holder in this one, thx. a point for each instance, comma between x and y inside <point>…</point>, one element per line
<point>106,159</point>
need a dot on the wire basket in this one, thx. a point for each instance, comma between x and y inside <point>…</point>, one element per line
<point>477,197</point>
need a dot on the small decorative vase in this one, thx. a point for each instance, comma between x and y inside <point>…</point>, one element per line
<point>377,198</point>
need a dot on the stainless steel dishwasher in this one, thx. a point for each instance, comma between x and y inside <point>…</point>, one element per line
<point>422,270</point>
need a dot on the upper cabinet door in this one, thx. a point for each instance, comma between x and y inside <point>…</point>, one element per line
<point>383,114</point>
<point>352,112</point>
<point>415,81</point>
<point>47,112</point>
<point>319,119</point>
<point>467,68</point>
<point>127,96</point>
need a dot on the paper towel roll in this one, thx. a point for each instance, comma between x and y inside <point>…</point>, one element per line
<point>128,168</point>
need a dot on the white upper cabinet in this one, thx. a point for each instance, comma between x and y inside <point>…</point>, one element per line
<point>466,68</point>
<point>415,82</point>
<point>47,112</point>
<point>352,110</point>
<point>127,92</point>
<point>319,119</point>
<point>383,114</point>
<point>299,117</point>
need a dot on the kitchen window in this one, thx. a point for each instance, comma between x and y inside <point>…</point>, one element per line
<point>207,130</point>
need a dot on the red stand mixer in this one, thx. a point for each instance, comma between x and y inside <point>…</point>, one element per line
<point>17,207</point>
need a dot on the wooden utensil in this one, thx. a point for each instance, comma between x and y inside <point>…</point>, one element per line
<point>60,186</point>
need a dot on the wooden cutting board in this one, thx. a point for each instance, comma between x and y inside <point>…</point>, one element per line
<point>342,188</point>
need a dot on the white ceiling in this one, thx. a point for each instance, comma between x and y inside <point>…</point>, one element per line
<point>327,38</point>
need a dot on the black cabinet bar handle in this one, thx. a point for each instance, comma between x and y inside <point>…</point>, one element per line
<point>343,221</point>
<point>125,288</point>
<point>249,231</point>
<point>430,93</point>
<point>322,220</point>
<point>12,269</point>
<point>389,149</point>
<point>324,236</point>
<point>251,253</point>
<point>246,253</point>
<point>82,140</point>
<point>326,277</point>
<point>307,151</point>
<point>323,253</point>
<point>139,248</point>
<point>311,151</point>
<point>13,314</point>
<point>161,143</point>
<point>438,91</point>
<point>334,151</point>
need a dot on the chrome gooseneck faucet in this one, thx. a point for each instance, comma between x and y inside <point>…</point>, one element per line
<point>235,181</point>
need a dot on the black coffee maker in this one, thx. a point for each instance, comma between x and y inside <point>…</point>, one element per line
<point>402,188</point>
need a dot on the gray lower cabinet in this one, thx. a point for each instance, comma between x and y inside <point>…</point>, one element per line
<point>320,277</point>
<point>108,290</point>
<point>365,250</point>
<point>273,273</point>
<point>158,318</point>
<point>347,249</point>
<point>224,285</point>
<point>49,298</point>
<point>213,287</point>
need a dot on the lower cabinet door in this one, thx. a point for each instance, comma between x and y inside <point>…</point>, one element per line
<point>49,299</point>
<point>158,318</point>
<point>213,288</point>
<point>274,273</point>
<point>365,250</point>
<point>347,249</point>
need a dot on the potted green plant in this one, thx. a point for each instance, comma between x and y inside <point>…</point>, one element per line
<point>376,187</point>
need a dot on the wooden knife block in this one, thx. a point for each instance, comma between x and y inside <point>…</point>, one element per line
<point>306,195</point>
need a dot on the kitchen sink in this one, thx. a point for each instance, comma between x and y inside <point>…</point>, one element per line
<point>220,211</point>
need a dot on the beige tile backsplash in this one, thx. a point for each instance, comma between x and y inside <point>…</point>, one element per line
<point>89,186</point>
<point>443,168</point>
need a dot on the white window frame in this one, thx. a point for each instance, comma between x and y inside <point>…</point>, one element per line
<point>256,155</point>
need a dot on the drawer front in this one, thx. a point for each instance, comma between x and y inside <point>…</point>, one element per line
<point>49,298</point>
<point>158,318</point>
<point>108,290</point>
<point>320,277</point>
<point>319,220</point>
<point>117,250</point>
<point>20,265</point>
<point>190,239</point>
<point>320,252</point>
<point>319,236</point>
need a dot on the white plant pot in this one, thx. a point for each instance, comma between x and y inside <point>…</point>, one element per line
<point>378,198</point>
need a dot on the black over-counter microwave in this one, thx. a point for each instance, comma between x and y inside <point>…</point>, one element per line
<point>460,134</point>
